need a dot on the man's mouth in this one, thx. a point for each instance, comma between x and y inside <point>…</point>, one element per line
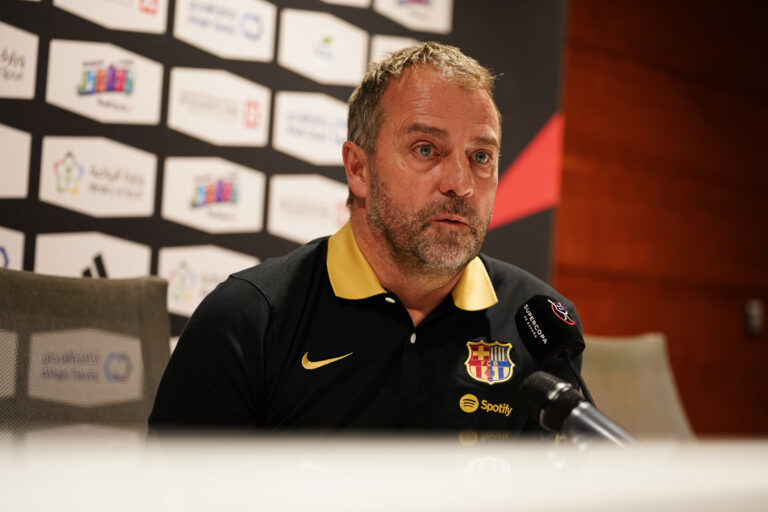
<point>453,220</point>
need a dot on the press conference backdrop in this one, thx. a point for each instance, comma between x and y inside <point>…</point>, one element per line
<point>191,138</point>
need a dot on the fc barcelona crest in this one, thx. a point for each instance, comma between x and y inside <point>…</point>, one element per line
<point>489,362</point>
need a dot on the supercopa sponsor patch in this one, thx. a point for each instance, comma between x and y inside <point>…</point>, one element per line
<point>489,362</point>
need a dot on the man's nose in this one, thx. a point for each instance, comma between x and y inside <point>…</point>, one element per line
<point>456,176</point>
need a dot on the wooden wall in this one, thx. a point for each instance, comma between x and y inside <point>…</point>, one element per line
<point>663,215</point>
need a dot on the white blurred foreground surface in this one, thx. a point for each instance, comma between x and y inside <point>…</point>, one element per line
<point>126,473</point>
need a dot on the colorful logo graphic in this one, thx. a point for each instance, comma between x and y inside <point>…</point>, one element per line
<point>97,79</point>
<point>209,191</point>
<point>323,47</point>
<point>559,310</point>
<point>251,26</point>
<point>489,362</point>
<point>117,367</point>
<point>4,259</point>
<point>181,283</point>
<point>252,114</point>
<point>68,172</point>
<point>148,6</point>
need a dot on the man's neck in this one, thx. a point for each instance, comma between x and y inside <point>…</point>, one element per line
<point>420,290</point>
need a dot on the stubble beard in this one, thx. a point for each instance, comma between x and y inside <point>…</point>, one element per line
<point>416,242</point>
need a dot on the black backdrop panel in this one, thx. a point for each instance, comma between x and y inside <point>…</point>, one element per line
<point>519,40</point>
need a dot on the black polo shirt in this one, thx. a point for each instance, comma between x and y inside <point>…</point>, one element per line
<point>313,340</point>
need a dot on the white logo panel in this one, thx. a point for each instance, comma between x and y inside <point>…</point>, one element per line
<point>322,47</point>
<point>133,15</point>
<point>85,367</point>
<point>303,207</point>
<point>310,126</point>
<point>15,146</point>
<point>90,254</point>
<point>193,271</point>
<point>97,176</point>
<point>218,107</point>
<point>213,194</point>
<point>104,82</point>
<point>382,46</point>
<point>18,62</point>
<point>8,346</point>
<point>230,29</point>
<point>11,249</point>
<point>419,15</point>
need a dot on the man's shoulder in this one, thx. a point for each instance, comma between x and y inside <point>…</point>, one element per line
<point>275,275</point>
<point>511,281</point>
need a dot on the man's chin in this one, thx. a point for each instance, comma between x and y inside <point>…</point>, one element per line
<point>449,257</point>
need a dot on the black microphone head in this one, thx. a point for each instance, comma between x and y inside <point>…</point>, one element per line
<point>548,399</point>
<point>549,331</point>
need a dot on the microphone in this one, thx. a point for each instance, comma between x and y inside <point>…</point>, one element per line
<point>559,408</point>
<point>549,332</point>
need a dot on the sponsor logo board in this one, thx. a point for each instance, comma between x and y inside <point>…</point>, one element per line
<point>90,253</point>
<point>97,176</point>
<point>18,62</point>
<point>193,271</point>
<point>382,46</point>
<point>310,126</point>
<point>104,82</point>
<point>322,47</point>
<point>303,207</point>
<point>85,367</point>
<point>9,343</point>
<point>11,249</point>
<point>14,177</point>
<point>213,194</point>
<point>133,15</point>
<point>230,29</point>
<point>418,15</point>
<point>218,107</point>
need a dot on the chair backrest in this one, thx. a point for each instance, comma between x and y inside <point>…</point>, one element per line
<point>80,350</point>
<point>631,381</point>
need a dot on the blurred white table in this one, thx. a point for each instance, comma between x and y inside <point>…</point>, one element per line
<point>83,472</point>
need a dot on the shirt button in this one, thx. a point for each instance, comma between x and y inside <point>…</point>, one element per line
<point>413,337</point>
<point>389,299</point>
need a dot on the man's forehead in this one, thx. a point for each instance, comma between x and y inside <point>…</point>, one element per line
<point>406,88</point>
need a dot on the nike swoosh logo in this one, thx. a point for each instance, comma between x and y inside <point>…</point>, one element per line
<point>314,365</point>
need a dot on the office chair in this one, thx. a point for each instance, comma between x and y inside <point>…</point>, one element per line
<point>79,351</point>
<point>631,382</point>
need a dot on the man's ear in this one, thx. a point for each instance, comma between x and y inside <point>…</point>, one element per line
<point>358,168</point>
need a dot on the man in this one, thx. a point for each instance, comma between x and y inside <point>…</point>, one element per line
<point>394,322</point>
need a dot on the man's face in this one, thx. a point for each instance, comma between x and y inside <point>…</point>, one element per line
<point>434,173</point>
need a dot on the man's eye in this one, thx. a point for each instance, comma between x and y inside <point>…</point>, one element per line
<point>424,150</point>
<point>482,157</point>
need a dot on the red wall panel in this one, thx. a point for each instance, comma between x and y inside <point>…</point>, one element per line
<point>663,218</point>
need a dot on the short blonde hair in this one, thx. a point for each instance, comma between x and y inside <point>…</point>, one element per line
<point>364,117</point>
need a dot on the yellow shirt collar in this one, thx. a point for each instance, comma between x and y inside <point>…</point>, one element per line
<point>353,278</point>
